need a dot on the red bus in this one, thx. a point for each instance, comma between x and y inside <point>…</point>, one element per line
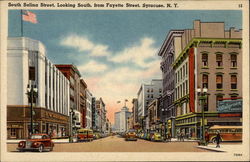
<point>227,133</point>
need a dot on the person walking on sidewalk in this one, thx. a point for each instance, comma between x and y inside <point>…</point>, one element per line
<point>218,139</point>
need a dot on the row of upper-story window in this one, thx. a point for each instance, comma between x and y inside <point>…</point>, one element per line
<point>152,90</point>
<point>219,81</point>
<point>219,60</point>
<point>181,90</point>
<point>181,73</point>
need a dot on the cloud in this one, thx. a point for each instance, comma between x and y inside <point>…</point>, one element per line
<point>92,67</point>
<point>83,44</point>
<point>137,53</point>
<point>121,83</point>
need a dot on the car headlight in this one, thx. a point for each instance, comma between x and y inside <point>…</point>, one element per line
<point>21,144</point>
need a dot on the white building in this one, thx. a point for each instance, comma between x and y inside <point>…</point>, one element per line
<point>121,119</point>
<point>117,121</point>
<point>27,63</point>
<point>88,109</point>
<point>147,93</point>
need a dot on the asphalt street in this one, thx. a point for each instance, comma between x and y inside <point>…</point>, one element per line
<point>118,144</point>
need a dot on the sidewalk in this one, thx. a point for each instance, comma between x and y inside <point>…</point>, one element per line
<point>67,140</point>
<point>185,140</point>
<point>54,140</point>
<point>223,147</point>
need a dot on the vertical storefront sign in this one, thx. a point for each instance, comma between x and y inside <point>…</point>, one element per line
<point>191,80</point>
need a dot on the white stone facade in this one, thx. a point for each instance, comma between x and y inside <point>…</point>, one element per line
<point>53,87</point>
<point>147,93</point>
<point>89,109</point>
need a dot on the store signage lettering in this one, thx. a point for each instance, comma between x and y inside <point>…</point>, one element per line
<point>229,106</point>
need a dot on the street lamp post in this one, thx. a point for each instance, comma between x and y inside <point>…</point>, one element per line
<point>202,93</point>
<point>31,92</point>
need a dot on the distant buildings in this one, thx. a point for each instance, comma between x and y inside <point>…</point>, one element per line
<point>88,109</point>
<point>101,115</point>
<point>28,64</point>
<point>146,94</point>
<point>121,120</point>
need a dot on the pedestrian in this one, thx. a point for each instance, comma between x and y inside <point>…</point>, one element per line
<point>182,136</point>
<point>178,136</point>
<point>169,137</point>
<point>206,138</point>
<point>218,139</point>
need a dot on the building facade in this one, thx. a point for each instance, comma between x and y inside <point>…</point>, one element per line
<point>210,58</point>
<point>73,75</point>
<point>121,119</point>
<point>136,124</point>
<point>167,53</point>
<point>101,117</point>
<point>145,95</point>
<point>94,114</point>
<point>88,109</point>
<point>27,63</point>
<point>117,121</point>
<point>83,102</point>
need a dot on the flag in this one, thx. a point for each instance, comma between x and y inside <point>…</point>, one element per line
<point>29,16</point>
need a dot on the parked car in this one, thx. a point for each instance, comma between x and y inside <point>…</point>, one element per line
<point>84,135</point>
<point>154,136</point>
<point>37,142</point>
<point>96,135</point>
<point>130,135</point>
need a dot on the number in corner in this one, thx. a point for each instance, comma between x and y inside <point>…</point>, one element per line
<point>237,154</point>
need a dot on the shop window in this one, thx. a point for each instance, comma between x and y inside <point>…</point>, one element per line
<point>219,60</point>
<point>233,82</point>
<point>204,59</point>
<point>219,81</point>
<point>233,60</point>
<point>204,81</point>
<point>12,132</point>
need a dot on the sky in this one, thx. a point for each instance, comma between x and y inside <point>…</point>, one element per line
<point>115,50</point>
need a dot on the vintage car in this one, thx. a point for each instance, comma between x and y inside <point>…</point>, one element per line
<point>130,135</point>
<point>154,136</point>
<point>37,142</point>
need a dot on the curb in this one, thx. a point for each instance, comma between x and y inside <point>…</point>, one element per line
<point>210,149</point>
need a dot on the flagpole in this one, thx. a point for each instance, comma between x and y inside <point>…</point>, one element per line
<point>21,23</point>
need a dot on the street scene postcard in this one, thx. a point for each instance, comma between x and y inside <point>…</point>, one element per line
<point>124,80</point>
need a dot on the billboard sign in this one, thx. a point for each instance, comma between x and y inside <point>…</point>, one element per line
<point>229,106</point>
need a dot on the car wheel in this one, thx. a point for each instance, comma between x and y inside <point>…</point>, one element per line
<point>214,140</point>
<point>40,148</point>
